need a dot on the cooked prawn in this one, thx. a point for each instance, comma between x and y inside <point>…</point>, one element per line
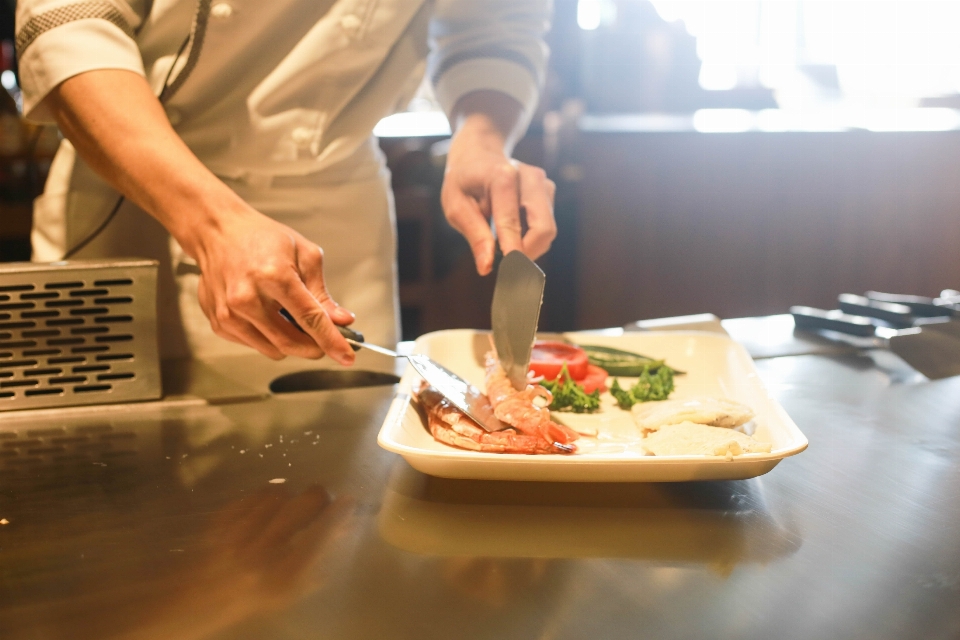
<point>520,409</point>
<point>451,426</point>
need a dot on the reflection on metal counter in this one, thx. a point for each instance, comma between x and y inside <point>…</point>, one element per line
<point>720,524</point>
<point>279,518</point>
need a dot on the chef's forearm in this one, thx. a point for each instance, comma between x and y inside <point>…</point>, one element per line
<point>491,118</point>
<point>119,127</point>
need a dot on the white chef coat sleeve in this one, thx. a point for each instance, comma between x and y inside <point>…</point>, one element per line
<point>489,44</point>
<point>58,39</point>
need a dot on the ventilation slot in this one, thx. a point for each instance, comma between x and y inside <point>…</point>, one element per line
<point>115,376</point>
<point>65,322</point>
<point>121,282</point>
<point>93,388</point>
<point>71,331</point>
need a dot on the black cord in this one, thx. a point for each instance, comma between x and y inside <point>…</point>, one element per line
<point>116,207</point>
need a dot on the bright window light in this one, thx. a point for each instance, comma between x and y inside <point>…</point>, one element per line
<point>414,123</point>
<point>911,120</point>
<point>718,77</point>
<point>588,14</point>
<point>723,120</point>
<point>886,53</point>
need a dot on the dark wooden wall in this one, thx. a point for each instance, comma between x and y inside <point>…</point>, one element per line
<point>751,223</point>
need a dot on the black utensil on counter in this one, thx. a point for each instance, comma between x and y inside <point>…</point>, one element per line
<point>935,354</point>
<point>902,311</point>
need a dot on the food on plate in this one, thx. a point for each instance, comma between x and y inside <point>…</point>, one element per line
<point>689,438</point>
<point>451,426</point>
<point>701,425</point>
<point>561,361</point>
<point>525,410</point>
<point>652,384</point>
<point>549,357</point>
<point>570,396</point>
<point>531,429</point>
<point>560,364</point>
<point>708,410</point>
<point>618,362</point>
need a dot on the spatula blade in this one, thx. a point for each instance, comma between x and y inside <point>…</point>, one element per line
<point>515,313</point>
<point>461,393</point>
<point>932,353</point>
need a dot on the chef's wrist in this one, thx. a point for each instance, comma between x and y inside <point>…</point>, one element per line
<point>479,131</point>
<point>489,119</point>
<point>202,215</point>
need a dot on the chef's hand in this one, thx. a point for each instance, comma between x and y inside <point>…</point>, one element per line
<point>482,182</point>
<point>252,266</point>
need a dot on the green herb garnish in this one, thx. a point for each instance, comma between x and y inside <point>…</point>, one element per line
<point>653,384</point>
<point>617,362</point>
<point>570,396</point>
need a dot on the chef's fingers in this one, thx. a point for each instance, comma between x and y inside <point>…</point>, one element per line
<point>310,263</point>
<point>464,214</point>
<point>238,330</point>
<point>536,197</point>
<point>256,302</point>
<point>292,294</point>
<point>505,205</point>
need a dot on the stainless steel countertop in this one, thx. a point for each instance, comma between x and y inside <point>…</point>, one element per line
<point>161,521</point>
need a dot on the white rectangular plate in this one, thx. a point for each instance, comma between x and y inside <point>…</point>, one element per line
<point>715,365</point>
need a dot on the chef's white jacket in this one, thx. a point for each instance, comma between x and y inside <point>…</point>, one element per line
<point>278,99</point>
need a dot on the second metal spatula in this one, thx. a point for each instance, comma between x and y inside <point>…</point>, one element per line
<point>515,313</point>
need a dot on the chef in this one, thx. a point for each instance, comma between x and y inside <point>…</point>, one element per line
<point>231,140</point>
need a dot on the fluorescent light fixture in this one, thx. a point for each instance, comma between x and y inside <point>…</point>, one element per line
<point>413,124</point>
<point>919,119</point>
<point>723,120</point>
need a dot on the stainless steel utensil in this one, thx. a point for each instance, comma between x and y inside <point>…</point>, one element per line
<point>515,313</point>
<point>933,353</point>
<point>461,393</point>
<point>903,311</point>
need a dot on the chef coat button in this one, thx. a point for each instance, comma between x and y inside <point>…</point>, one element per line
<point>221,10</point>
<point>302,136</point>
<point>350,23</point>
<point>173,115</point>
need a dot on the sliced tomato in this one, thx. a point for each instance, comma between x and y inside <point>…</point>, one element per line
<point>596,378</point>
<point>548,358</point>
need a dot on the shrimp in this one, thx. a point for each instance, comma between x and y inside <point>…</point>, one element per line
<point>519,409</point>
<point>451,426</point>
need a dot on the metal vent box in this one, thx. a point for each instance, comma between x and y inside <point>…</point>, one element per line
<point>78,333</point>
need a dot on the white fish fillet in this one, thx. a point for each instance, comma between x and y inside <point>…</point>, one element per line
<point>688,438</point>
<point>711,410</point>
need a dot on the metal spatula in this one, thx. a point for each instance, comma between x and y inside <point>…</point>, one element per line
<point>515,313</point>
<point>933,353</point>
<point>461,393</point>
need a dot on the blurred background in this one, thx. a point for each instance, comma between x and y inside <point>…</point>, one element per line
<point>734,157</point>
